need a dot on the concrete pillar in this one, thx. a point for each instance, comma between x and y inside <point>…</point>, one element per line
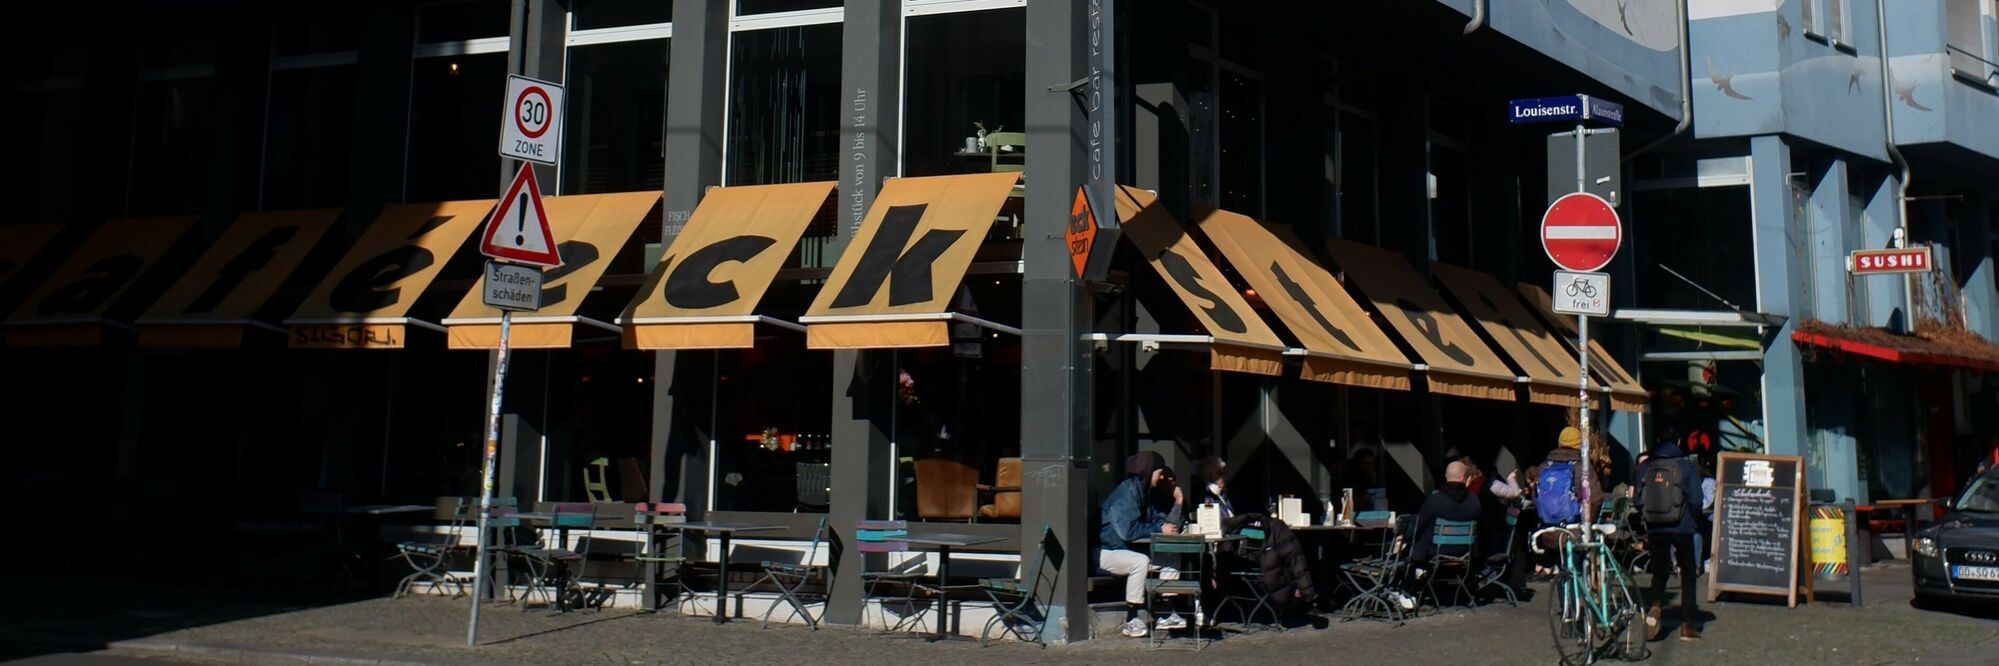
<point>1828,244</point>
<point>1778,292</point>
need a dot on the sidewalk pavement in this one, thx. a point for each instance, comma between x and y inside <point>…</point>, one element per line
<point>184,626</point>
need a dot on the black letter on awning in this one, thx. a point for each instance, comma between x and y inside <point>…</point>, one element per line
<point>907,273</point>
<point>575,255</point>
<point>239,268</point>
<point>687,285</point>
<point>1183,273</point>
<point>99,282</point>
<point>1427,324</point>
<point>362,290</point>
<point>1517,334</point>
<point>1298,294</point>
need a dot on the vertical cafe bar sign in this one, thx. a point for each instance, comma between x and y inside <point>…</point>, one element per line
<point>1100,185</point>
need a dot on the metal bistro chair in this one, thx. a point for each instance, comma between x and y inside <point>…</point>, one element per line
<point>883,537</point>
<point>815,487</point>
<point>1375,578</point>
<point>552,563</point>
<point>1347,575</point>
<point>1496,566</point>
<point>1014,607</point>
<point>1186,584</point>
<point>503,522</point>
<point>649,519</point>
<point>1251,594</point>
<point>427,556</point>
<point>790,579</point>
<point>1454,571</point>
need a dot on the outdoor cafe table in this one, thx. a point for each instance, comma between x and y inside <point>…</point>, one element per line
<point>944,542</point>
<point>723,530</point>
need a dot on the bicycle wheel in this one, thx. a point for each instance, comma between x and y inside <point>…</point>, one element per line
<point>1566,620</point>
<point>1628,619</point>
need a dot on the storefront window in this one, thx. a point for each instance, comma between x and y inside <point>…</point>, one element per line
<point>170,143</point>
<point>747,7</point>
<point>1356,176</point>
<point>774,417</point>
<point>957,413</point>
<point>43,182</point>
<point>594,14</point>
<point>1241,143</point>
<point>1661,221</point>
<point>784,119</point>
<point>593,404</point>
<point>452,126</point>
<point>971,75</point>
<point>616,124</point>
<point>308,144</point>
<point>448,22</point>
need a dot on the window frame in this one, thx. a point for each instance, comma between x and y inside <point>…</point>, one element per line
<point>422,50</point>
<point>920,8</point>
<point>327,59</point>
<point>623,34</point>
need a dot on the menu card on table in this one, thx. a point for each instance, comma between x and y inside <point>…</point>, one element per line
<point>1291,510</point>
<point>1208,520</point>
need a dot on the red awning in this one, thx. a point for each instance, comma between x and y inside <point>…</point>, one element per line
<point>1888,347</point>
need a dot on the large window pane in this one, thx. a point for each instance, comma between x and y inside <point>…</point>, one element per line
<point>784,119</point>
<point>1356,147</point>
<point>774,412</point>
<point>592,14</point>
<point>453,127</point>
<point>746,7</point>
<point>616,124</point>
<point>461,21</point>
<point>1664,219</point>
<point>43,181</point>
<point>957,413</point>
<point>971,71</point>
<point>170,137</point>
<point>308,139</point>
<point>1241,123</point>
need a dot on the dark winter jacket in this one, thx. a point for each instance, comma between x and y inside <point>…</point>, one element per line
<point>1286,572</point>
<point>1449,502</point>
<point>1668,452</point>
<point>1128,512</point>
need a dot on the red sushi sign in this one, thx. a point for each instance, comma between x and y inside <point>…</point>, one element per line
<point>1903,260</point>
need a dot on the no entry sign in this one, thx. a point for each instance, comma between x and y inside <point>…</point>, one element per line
<point>531,122</point>
<point>1581,232</point>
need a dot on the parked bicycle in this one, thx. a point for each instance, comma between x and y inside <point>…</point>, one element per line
<point>1592,604</point>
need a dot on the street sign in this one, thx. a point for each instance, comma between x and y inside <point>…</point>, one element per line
<point>1901,260</point>
<point>1582,293</point>
<point>511,287</point>
<point>531,122</point>
<point>1581,232</point>
<point>518,231</point>
<point>1565,108</point>
<point>1082,231</point>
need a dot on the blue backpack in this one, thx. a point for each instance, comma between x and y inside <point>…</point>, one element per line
<point>1555,494</point>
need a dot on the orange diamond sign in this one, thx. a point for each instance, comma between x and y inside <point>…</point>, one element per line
<point>1082,232</point>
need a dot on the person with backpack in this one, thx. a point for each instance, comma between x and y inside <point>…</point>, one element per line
<point>1559,483</point>
<point>1669,501</point>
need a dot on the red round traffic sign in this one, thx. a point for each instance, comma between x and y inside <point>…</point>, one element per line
<point>1581,232</point>
<point>532,116</point>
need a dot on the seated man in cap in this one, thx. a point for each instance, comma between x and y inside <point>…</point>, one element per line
<point>1148,501</point>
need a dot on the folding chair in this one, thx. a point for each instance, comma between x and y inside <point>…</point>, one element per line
<point>504,522</point>
<point>1376,577</point>
<point>1251,593</point>
<point>552,563</point>
<point>1453,570</point>
<point>1347,579</point>
<point>649,553</point>
<point>1496,565</point>
<point>1014,607</point>
<point>791,578</point>
<point>1186,584</point>
<point>882,537</point>
<point>427,556</point>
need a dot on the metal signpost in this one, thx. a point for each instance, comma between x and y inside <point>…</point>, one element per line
<point>519,240</point>
<point>1581,233</point>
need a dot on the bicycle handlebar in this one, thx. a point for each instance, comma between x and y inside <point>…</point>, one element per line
<point>1534,540</point>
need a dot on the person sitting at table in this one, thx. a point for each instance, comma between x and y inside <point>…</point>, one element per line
<point>1284,569</point>
<point>1212,472</point>
<point>1450,501</point>
<point>1147,502</point>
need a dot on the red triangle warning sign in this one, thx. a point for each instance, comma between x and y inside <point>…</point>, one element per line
<point>518,231</point>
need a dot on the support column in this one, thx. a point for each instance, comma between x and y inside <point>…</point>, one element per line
<point>1828,244</point>
<point>1887,304</point>
<point>1778,292</point>
<point>864,467</point>
<point>1981,293</point>
<point>1056,411</point>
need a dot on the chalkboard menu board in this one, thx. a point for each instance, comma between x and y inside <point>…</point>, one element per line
<point>1756,507</point>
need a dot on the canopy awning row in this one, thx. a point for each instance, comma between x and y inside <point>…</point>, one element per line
<point>893,287</point>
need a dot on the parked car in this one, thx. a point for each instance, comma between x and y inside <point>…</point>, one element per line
<point>1957,559</point>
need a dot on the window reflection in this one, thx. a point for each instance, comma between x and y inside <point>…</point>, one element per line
<point>971,74</point>
<point>783,105</point>
<point>453,127</point>
<point>774,412</point>
<point>956,414</point>
<point>616,124</point>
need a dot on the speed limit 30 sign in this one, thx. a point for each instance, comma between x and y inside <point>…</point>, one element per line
<point>531,123</point>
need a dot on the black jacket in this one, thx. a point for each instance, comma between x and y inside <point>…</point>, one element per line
<point>1286,572</point>
<point>1449,502</point>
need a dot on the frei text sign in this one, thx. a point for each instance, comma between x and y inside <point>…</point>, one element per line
<point>1904,260</point>
<point>531,122</point>
<point>1581,232</point>
<point>1582,293</point>
<point>1565,108</point>
<point>510,287</point>
<point>518,231</point>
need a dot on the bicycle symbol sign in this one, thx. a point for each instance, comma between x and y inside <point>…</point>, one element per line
<point>1582,293</point>
<point>531,123</point>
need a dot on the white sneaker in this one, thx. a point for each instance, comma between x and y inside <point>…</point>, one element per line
<point>1169,573</point>
<point>1172,622</point>
<point>1408,603</point>
<point>1134,628</point>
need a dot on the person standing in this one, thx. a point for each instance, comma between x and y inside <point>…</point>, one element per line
<point>1669,500</point>
<point>1136,509</point>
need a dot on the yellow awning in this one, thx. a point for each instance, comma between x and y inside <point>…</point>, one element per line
<point>19,243</point>
<point>212,305</point>
<point>589,229</point>
<point>704,293</point>
<point>69,308</point>
<point>894,283</point>
<point>1549,367</point>
<point>1241,340</point>
<point>1626,395</point>
<point>1458,362</point>
<point>364,302</point>
<point>1342,344</point>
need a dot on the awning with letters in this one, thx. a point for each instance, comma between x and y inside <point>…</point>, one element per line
<point>20,243</point>
<point>218,299</point>
<point>1549,367</point>
<point>893,285</point>
<point>1342,345</point>
<point>704,293</point>
<point>70,307</point>
<point>364,303</point>
<point>1626,395</point>
<point>1457,362</point>
<point>1241,341</point>
<point>590,229</point>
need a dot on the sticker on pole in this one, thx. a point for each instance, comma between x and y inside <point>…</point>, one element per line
<point>1582,293</point>
<point>518,231</point>
<point>531,123</point>
<point>1581,232</point>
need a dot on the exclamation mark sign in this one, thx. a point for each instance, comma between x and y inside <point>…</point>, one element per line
<point>521,222</point>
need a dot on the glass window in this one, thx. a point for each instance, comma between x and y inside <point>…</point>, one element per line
<point>1241,143</point>
<point>1450,206</point>
<point>594,405</point>
<point>462,21</point>
<point>774,412</point>
<point>318,34</point>
<point>784,120</point>
<point>308,140</point>
<point>593,14</point>
<point>453,127</point>
<point>1240,40</point>
<point>170,142</point>
<point>1661,221</point>
<point>972,73</point>
<point>616,124</point>
<point>747,7</point>
<point>46,192</point>
<point>1356,148</point>
<point>957,413</point>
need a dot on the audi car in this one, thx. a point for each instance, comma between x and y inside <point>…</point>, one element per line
<point>1957,559</point>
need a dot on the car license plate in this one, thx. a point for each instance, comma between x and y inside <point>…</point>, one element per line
<point>1975,573</point>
